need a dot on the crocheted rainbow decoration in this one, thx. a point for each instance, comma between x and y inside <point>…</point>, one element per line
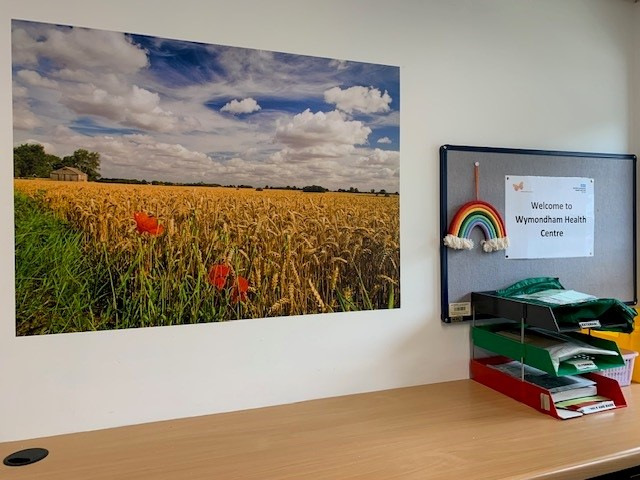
<point>477,214</point>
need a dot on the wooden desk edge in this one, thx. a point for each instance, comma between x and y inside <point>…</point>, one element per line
<point>394,434</point>
<point>595,467</point>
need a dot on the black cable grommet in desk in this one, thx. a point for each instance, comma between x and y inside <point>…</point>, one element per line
<point>25,457</point>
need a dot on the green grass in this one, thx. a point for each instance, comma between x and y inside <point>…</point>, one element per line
<point>64,286</point>
<point>55,280</point>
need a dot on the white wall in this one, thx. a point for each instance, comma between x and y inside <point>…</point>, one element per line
<point>635,83</point>
<point>532,74</point>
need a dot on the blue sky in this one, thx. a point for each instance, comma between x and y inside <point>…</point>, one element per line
<point>182,111</point>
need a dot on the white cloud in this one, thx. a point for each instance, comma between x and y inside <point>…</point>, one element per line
<point>379,157</point>
<point>246,105</point>
<point>338,64</point>
<point>23,50</point>
<point>309,137</point>
<point>320,152</point>
<point>390,119</point>
<point>93,73</point>
<point>34,79</point>
<point>115,84</point>
<point>384,140</point>
<point>78,48</point>
<point>19,91</point>
<point>23,117</point>
<point>137,107</point>
<point>358,99</point>
<point>330,130</point>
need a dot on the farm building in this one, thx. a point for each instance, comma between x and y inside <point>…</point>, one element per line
<point>68,174</point>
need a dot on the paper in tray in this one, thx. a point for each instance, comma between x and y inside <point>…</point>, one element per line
<point>502,339</point>
<point>534,395</point>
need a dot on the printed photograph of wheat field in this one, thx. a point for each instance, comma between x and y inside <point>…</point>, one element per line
<point>166,182</point>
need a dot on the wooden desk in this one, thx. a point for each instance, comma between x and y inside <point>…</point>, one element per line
<point>454,430</point>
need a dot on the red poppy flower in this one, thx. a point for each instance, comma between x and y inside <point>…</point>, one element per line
<point>147,223</point>
<point>240,289</point>
<point>218,275</point>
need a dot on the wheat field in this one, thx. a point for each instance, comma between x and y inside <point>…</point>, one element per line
<point>208,254</point>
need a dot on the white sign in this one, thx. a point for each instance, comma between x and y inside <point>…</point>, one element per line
<point>549,217</point>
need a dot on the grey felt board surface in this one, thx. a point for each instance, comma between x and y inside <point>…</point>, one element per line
<point>610,273</point>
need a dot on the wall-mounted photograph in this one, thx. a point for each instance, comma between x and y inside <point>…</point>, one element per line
<point>168,182</point>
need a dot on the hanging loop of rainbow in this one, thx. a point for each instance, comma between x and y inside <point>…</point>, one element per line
<point>477,214</point>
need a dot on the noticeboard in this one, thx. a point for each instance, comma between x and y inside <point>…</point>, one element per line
<point>580,215</point>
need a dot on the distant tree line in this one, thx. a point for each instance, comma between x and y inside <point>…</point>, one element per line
<point>135,181</point>
<point>30,160</point>
<point>382,191</point>
<point>314,188</point>
<point>128,181</point>
<point>317,188</point>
